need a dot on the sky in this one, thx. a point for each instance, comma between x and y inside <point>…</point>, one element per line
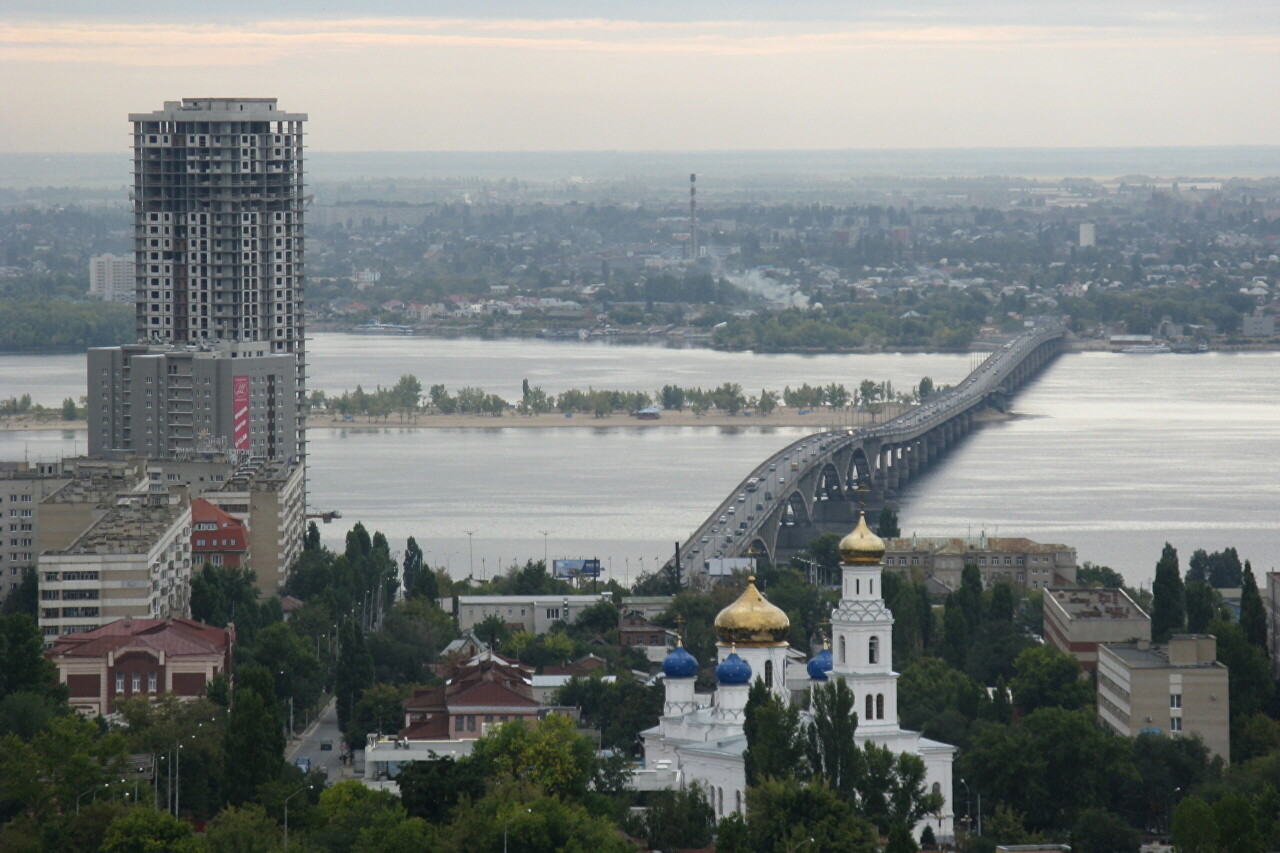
<point>568,75</point>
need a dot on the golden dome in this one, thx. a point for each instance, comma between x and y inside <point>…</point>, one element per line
<point>752,620</point>
<point>861,547</point>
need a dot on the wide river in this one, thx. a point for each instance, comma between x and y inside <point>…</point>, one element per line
<point>1111,454</point>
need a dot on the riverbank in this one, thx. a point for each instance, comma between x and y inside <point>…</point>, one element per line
<point>32,422</point>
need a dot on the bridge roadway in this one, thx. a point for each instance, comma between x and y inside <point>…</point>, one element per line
<point>808,487</point>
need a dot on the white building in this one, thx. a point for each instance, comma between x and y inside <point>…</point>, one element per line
<point>1088,235</point>
<point>112,278</point>
<point>533,613</point>
<point>700,739</point>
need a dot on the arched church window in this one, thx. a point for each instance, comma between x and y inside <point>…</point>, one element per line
<point>737,799</point>
<point>768,673</point>
<point>879,706</point>
<point>873,650</point>
<point>870,708</point>
<point>857,586</point>
<point>937,787</point>
<point>842,649</point>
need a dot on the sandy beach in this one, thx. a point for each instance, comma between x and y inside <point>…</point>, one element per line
<point>817,419</point>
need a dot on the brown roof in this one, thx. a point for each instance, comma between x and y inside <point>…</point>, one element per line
<point>436,728</point>
<point>490,693</point>
<point>171,636</point>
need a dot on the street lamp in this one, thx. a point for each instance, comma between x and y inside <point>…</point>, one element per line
<point>89,791</point>
<point>306,787</point>
<point>471,565</point>
<point>798,845</point>
<point>507,826</point>
<point>544,533</point>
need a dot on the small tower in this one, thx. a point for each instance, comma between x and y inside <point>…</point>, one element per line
<point>755,631</point>
<point>733,686</point>
<point>680,671</point>
<point>862,627</point>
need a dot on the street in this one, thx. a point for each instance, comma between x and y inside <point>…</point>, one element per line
<point>307,744</point>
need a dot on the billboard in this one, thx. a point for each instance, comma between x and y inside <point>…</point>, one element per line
<point>722,567</point>
<point>576,568</point>
<point>240,412</point>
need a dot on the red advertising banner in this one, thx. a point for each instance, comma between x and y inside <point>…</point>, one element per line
<point>240,409</point>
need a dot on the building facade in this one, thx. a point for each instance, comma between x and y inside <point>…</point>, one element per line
<point>533,613</point>
<point>217,538</point>
<point>1078,620</point>
<point>269,495</point>
<point>133,560</point>
<point>22,487</point>
<point>159,401</point>
<point>112,278</point>
<point>218,199</point>
<point>131,658</point>
<point>1015,560</point>
<point>1178,689</point>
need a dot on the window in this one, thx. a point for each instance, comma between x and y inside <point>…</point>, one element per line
<point>151,682</point>
<point>471,722</point>
<point>873,650</point>
<point>1175,724</point>
<point>136,682</point>
<point>1175,700</point>
<point>879,706</point>
<point>768,673</point>
<point>119,682</point>
<point>842,649</point>
<point>553,612</point>
<point>870,707</point>
<point>458,723</point>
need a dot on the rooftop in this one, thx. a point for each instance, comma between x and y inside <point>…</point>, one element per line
<point>128,528</point>
<point>171,636</point>
<point>1176,654</point>
<point>960,545</point>
<point>260,474</point>
<point>1089,603</point>
<point>98,487</point>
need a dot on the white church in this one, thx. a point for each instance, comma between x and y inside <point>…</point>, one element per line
<point>701,741</point>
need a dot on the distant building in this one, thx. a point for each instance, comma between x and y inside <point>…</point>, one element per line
<point>269,495</point>
<point>1178,689</point>
<point>156,401</point>
<point>1258,326</point>
<point>635,631</point>
<point>1088,235</point>
<point>112,278</point>
<point>128,658</point>
<point>217,538</point>
<point>132,560</point>
<point>533,613</point>
<point>1016,560</point>
<point>1078,620</point>
<point>22,487</point>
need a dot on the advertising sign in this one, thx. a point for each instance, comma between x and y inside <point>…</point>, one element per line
<point>577,568</point>
<point>240,412</point>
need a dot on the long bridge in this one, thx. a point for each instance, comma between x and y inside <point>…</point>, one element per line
<point>813,485</point>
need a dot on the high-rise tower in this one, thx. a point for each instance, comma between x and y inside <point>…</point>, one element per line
<point>218,197</point>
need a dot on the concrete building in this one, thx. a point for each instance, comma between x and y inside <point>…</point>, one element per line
<point>218,200</point>
<point>1257,325</point>
<point>159,401</point>
<point>112,278</point>
<point>141,657</point>
<point>1016,560</point>
<point>269,495</point>
<point>1078,620</point>
<point>133,560</point>
<point>22,487</point>
<point>217,538</point>
<point>1088,235</point>
<point>533,613</point>
<point>1178,689</point>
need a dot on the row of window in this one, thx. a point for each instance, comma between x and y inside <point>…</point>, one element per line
<point>135,682</point>
<point>467,722</point>
<point>873,650</point>
<point>26,499</point>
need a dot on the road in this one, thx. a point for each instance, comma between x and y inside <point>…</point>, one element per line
<point>325,727</point>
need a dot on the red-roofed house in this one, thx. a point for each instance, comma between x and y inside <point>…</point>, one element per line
<point>141,657</point>
<point>217,537</point>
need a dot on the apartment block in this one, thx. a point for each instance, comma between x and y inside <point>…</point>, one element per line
<point>1178,689</point>
<point>269,496</point>
<point>1017,560</point>
<point>161,401</point>
<point>22,487</point>
<point>1077,621</point>
<point>533,613</point>
<point>112,278</point>
<point>217,537</point>
<point>132,560</point>
<point>218,200</point>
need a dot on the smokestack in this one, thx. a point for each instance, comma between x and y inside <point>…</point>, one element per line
<point>693,216</point>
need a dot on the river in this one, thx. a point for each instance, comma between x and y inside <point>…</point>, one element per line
<point>1112,454</point>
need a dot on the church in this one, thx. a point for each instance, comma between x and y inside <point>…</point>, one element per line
<point>700,741</point>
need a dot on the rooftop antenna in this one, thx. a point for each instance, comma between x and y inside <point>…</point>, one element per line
<point>693,216</point>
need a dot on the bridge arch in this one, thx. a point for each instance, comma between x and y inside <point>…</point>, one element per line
<point>827,485</point>
<point>796,509</point>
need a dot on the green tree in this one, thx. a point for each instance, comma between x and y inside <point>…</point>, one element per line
<point>246,830</point>
<point>833,754</point>
<point>1253,616</point>
<point>23,666</point>
<point>430,789</point>
<point>1099,831</point>
<point>1202,601</point>
<point>518,816</point>
<point>1048,678</point>
<point>69,411</point>
<point>255,735</point>
<point>1237,826</point>
<point>785,813</point>
<point>1195,827</point>
<point>144,830</point>
<point>380,710</point>
<point>1168,615</point>
<point>679,818</point>
<point>355,670</point>
<point>552,755</point>
<point>413,564</point>
<point>887,525</point>
<point>901,840</point>
<point>775,748</point>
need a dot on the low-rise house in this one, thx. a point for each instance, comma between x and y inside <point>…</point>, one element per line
<point>1016,560</point>
<point>129,658</point>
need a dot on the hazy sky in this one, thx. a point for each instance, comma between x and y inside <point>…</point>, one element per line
<point>559,75</point>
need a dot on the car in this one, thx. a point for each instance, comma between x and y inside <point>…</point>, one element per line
<point>782,479</point>
<point>742,497</point>
<point>732,510</point>
<point>303,763</point>
<point>773,466</point>
<point>326,745</point>
<point>722,519</point>
<point>705,539</point>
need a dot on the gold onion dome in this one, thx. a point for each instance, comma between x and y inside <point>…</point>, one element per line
<point>861,547</point>
<point>752,620</point>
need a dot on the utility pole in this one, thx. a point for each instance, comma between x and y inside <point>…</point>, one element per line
<point>471,565</point>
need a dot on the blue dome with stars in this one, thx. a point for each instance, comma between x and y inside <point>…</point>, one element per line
<point>733,670</point>
<point>679,663</point>
<point>820,665</point>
